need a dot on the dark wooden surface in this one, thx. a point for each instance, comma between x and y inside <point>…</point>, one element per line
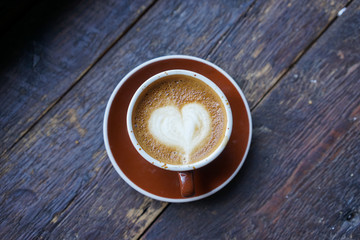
<point>297,62</point>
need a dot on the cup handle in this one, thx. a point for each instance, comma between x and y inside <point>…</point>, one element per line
<point>186,180</point>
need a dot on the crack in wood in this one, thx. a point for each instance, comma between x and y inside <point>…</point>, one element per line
<point>154,220</point>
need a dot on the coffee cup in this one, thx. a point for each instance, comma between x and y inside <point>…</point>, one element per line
<point>179,120</point>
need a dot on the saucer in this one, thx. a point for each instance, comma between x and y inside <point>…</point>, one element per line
<point>162,184</point>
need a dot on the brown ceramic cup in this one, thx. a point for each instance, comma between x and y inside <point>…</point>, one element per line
<point>184,171</point>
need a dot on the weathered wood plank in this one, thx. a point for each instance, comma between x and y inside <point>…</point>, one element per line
<point>46,53</point>
<point>301,179</point>
<point>57,181</point>
<point>266,43</point>
<point>78,111</point>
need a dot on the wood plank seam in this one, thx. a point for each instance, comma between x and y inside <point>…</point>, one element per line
<point>298,57</point>
<point>229,31</point>
<point>155,219</point>
<point>78,79</point>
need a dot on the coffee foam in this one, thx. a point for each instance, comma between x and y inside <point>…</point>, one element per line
<point>179,120</point>
<point>184,130</point>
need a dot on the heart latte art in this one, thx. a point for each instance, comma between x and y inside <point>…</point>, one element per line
<point>184,129</point>
<point>179,120</point>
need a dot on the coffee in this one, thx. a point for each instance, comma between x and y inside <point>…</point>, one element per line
<point>179,120</point>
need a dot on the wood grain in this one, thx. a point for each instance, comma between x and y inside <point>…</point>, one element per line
<point>51,49</point>
<point>301,179</point>
<point>57,181</point>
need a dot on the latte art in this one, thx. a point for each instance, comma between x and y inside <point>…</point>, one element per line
<point>178,120</point>
<point>185,129</point>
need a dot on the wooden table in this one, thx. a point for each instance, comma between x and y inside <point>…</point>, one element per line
<point>298,63</point>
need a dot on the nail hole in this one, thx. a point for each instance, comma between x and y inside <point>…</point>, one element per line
<point>350,216</point>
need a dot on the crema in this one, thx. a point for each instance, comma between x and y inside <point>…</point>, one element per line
<point>179,120</point>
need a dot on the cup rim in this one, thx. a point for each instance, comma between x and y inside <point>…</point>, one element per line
<point>190,166</point>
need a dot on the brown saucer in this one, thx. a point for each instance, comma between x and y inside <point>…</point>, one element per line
<point>158,183</point>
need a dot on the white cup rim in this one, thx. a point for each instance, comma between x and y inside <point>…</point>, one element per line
<point>190,166</point>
